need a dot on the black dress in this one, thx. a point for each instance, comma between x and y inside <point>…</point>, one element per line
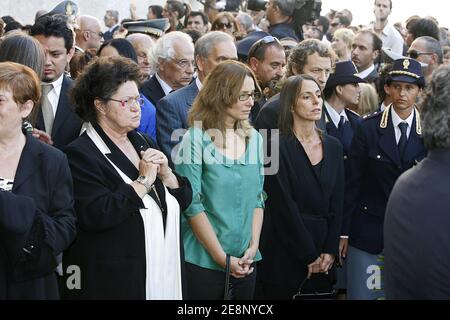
<point>303,216</point>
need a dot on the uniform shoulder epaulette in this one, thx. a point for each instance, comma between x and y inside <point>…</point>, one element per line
<point>353,112</point>
<point>372,115</point>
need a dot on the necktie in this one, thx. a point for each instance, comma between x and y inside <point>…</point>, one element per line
<point>47,108</point>
<point>346,132</point>
<point>403,139</point>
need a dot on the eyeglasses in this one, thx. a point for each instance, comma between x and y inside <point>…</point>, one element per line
<point>245,96</point>
<point>222,25</point>
<point>100,34</point>
<point>414,54</point>
<point>183,63</point>
<point>129,102</point>
<point>260,43</point>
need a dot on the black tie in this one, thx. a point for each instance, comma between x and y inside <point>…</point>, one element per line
<point>403,139</point>
<point>346,132</point>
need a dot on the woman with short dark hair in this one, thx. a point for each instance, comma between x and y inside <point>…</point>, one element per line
<point>127,199</point>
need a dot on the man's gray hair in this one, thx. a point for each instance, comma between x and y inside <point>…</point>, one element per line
<point>433,46</point>
<point>287,7</point>
<point>163,49</point>
<point>246,21</point>
<point>204,45</point>
<point>114,14</point>
<point>435,108</point>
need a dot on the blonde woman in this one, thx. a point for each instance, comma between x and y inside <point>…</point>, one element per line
<point>221,155</point>
<point>342,43</point>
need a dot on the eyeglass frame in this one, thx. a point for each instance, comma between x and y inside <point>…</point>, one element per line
<point>416,54</point>
<point>267,40</point>
<point>99,33</point>
<point>183,63</point>
<point>256,95</point>
<point>126,103</point>
<point>228,25</point>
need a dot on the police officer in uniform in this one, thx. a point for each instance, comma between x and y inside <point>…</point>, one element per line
<point>341,90</point>
<point>385,145</point>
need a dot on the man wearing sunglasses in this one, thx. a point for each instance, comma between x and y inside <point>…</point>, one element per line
<point>267,59</point>
<point>427,50</point>
<point>88,35</point>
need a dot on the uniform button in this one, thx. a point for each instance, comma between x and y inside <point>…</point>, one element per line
<point>345,157</point>
<point>365,208</point>
<point>378,157</point>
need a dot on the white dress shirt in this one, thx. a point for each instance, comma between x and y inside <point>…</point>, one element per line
<point>166,88</point>
<point>53,95</point>
<point>396,120</point>
<point>198,83</point>
<point>391,38</point>
<point>363,74</point>
<point>335,117</point>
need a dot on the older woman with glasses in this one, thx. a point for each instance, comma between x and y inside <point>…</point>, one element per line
<point>127,199</point>
<point>221,154</point>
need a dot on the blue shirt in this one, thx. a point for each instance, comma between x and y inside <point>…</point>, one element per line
<point>148,118</point>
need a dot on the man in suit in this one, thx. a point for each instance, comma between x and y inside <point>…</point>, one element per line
<point>385,145</point>
<point>309,57</point>
<point>56,116</point>
<point>341,90</point>
<point>366,48</point>
<point>173,61</point>
<point>172,111</point>
<point>267,59</point>
<point>88,34</point>
<point>111,20</point>
<point>417,211</point>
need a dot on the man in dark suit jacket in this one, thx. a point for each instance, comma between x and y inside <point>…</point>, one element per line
<point>366,49</point>
<point>56,116</point>
<point>172,111</point>
<point>173,60</point>
<point>416,236</point>
<point>317,62</point>
<point>111,20</point>
<point>384,146</point>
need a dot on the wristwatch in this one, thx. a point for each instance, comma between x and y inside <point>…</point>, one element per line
<point>145,182</point>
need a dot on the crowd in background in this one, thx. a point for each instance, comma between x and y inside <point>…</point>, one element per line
<point>224,153</point>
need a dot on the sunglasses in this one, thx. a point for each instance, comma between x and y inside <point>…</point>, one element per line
<point>261,43</point>
<point>414,54</point>
<point>222,25</point>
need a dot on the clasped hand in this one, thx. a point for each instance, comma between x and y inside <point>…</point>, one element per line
<point>322,264</point>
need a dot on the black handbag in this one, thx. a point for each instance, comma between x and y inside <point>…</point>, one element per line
<point>329,294</point>
<point>227,293</point>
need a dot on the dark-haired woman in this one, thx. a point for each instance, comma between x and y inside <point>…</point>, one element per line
<point>300,237</point>
<point>124,48</point>
<point>127,199</point>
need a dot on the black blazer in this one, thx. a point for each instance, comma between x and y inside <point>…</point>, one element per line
<point>416,236</point>
<point>67,124</point>
<point>37,222</point>
<point>153,90</point>
<point>303,212</point>
<point>110,248</point>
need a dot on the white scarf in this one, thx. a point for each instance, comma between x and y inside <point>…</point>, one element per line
<point>163,276</point>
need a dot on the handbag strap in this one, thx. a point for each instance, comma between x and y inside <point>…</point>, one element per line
<point>226,295</point>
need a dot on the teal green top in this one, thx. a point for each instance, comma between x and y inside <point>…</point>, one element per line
<point>227,190</point>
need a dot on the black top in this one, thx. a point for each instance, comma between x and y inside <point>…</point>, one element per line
<point>303,211</point>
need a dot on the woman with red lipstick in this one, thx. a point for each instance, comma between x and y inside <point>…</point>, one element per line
<point>221,155</point>
<point>300,237</point>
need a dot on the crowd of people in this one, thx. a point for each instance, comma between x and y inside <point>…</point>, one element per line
<point>224,153</point>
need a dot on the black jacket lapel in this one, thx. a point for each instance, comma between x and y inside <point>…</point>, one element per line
<point>29,162</point>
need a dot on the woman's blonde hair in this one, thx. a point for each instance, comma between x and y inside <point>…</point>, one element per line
<point>368,101</point>
<point>220,91</point>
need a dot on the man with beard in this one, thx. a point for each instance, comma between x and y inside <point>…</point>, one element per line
<point>267,60</point>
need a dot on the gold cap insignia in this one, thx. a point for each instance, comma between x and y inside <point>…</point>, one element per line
<point>406,64</point>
